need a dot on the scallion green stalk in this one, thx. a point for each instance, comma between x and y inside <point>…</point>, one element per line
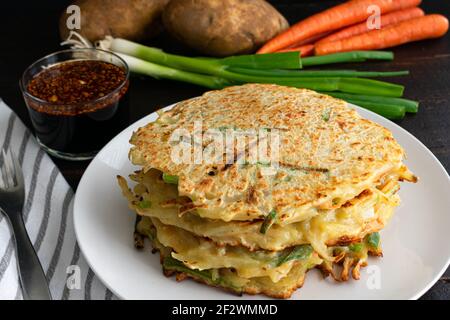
<point>216,67</point>
<point>393,112</point>
<point>352,56</point>
<point>315,73</point>
<point>389,111</point>
<point>157,71</point>
<point>353,85</point>
<point>279,60</point>
<point>167,178</point>
<point>348,85</point>
<point>410,105</point>
<point>286,60</point>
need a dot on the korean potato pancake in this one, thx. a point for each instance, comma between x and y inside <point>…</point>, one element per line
<point>258,227</point>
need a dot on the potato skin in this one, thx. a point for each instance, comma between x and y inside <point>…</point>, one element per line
<point>223,27</point>
<point>134,20</point>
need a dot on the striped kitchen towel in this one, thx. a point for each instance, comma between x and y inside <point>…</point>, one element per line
<point>48,216</point>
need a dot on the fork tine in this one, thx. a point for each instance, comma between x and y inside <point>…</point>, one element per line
<point>32,277</point>
<point>7,166</point>
<point>3,170</point>
<point>12,169</point>
<point>18,174</point>
<point>9,169</point>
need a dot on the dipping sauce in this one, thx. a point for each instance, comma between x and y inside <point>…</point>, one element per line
<point>80,105</point>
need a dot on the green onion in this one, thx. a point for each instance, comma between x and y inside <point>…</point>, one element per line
<point>157,71</point>
<point>348,85</point>
<point>268,221</point>
<point>301,252</point>
<point>326,115</point>
<point>257,163</point>
<point>378,96</point>
<point>210,276</point>
<point>352,56</point>
<point>336,201</point>
<point>356,247</point>
<point>315,73</point>
<point>410,105</point>
<point>144,204</point>
<point>218,68</point>
<point>388,111</point>
<point>363,86</point>
<point>373,240</point>
<point>167,178</point>
<point>286,60</point>
<point>281,60</point>
<point>174,264</point>
<point>392,112</point>
<point>159,57</point>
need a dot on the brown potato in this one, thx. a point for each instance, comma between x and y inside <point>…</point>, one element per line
<point>134,20</point>
<point>223,27</point>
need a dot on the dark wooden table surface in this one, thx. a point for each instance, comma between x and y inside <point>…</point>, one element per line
<point>29,30</point>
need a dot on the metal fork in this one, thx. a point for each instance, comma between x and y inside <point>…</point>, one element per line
<point>12,196</point>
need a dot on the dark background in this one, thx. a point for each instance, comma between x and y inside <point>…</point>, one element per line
<point>29,30</point>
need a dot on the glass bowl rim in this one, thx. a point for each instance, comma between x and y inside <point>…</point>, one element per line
<point>25,92</point>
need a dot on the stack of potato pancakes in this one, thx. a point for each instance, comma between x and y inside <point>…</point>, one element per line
<point>253,226</point>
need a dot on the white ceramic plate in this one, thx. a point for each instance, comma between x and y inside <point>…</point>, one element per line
<point>416,243</point>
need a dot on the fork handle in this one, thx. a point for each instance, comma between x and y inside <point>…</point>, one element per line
<point>32,277</point>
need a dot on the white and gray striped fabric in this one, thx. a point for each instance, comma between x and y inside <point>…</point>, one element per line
<point>48,215</point>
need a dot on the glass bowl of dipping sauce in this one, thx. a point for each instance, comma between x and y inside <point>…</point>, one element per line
<point>77,101</point>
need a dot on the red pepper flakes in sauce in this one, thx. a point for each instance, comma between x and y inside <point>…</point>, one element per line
<point>76,81</point>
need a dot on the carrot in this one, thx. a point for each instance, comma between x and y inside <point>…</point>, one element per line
<point>388,19</point>
<point>305,51</point>
<point>426,27</point>
<point>311,40</point>
<point>340,16</point>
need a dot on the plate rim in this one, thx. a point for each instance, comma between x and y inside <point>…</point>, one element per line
<point>377,117</point>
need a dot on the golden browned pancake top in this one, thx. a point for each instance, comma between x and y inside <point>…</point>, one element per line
<point>328,154</point>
